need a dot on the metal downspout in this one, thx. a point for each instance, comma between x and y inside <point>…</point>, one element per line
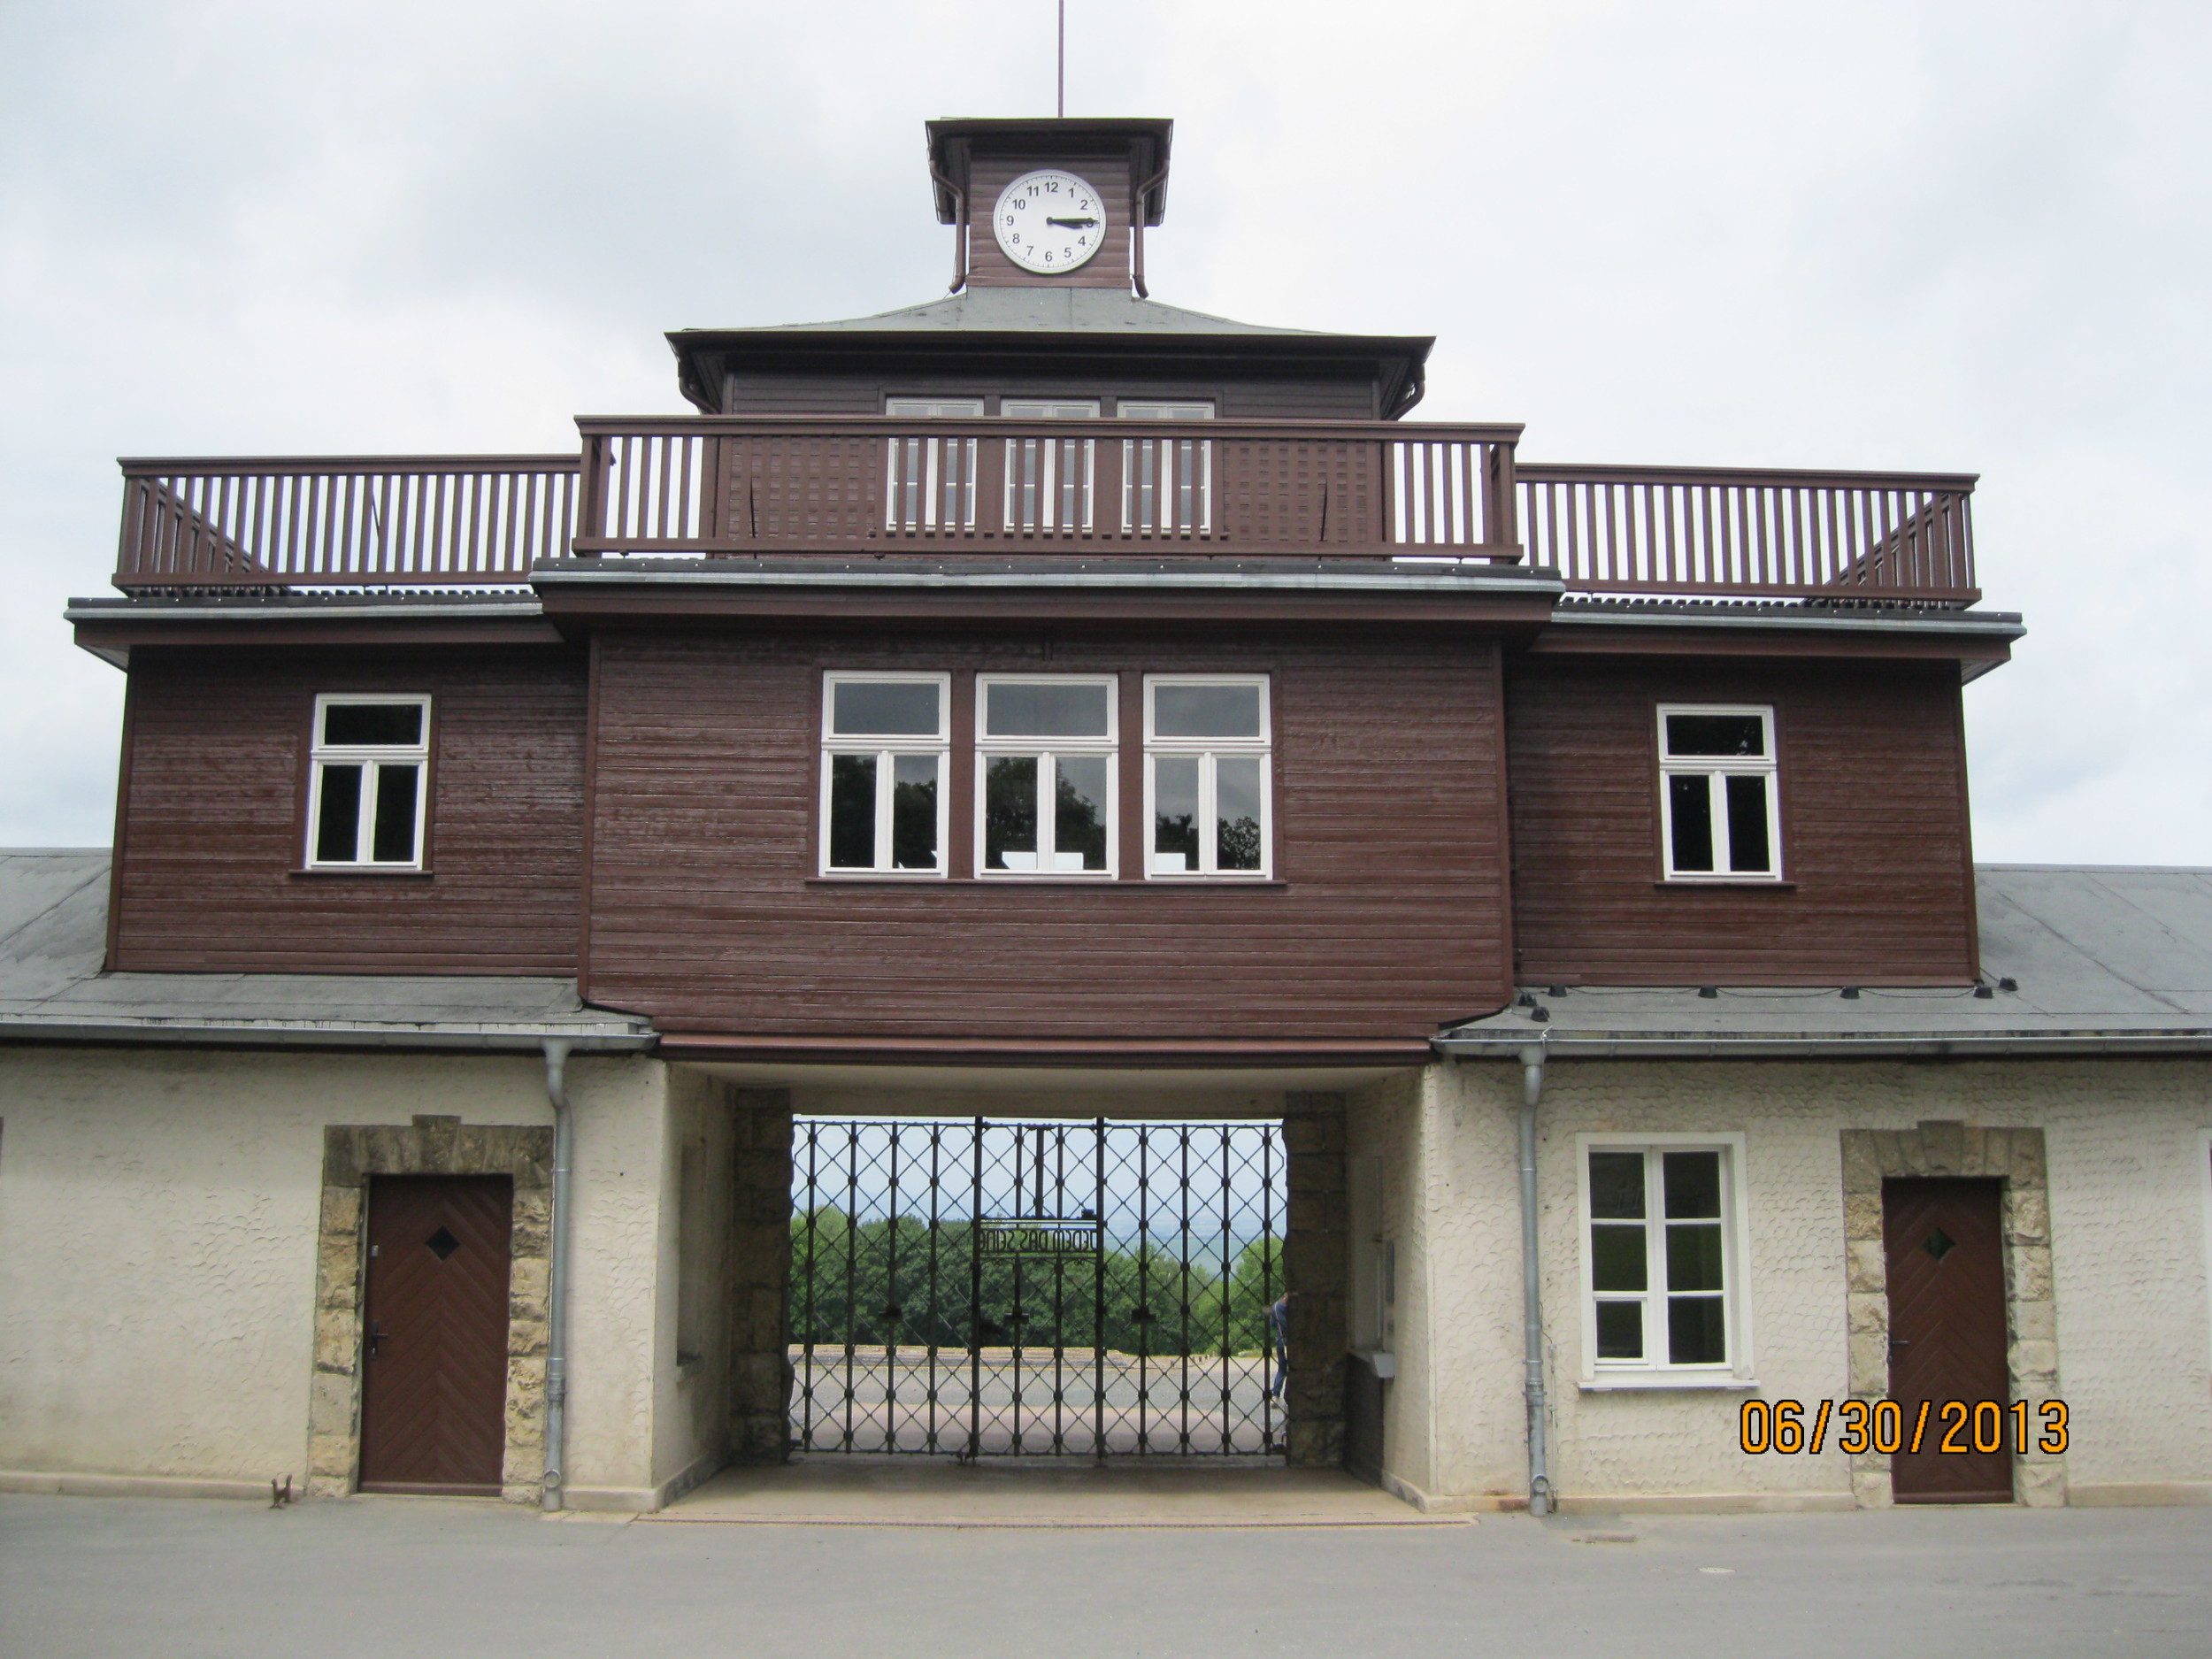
<point>1540,1493</point>
<point>557,1277</point>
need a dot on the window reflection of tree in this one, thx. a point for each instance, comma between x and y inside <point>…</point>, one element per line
<point>1009,809</point>
<point>914,821</point>
<point>1078,817</point>
<point>1177,832</point>
<point>1239,843</point>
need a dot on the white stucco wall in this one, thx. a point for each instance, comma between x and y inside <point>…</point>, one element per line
<point>2129,1178</point>
<point>622,1346</point>
<point>691,1416</point>
<point>158,1235</point>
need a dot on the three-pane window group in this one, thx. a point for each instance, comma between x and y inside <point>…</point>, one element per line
<point>1047,780</point>
<point>1047,775</point>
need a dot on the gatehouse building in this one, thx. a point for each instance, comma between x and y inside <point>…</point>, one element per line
<point>1052,876</point>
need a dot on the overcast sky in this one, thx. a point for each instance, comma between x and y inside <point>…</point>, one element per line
<point>1896,233</point>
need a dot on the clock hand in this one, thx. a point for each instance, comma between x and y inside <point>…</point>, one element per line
<point>1074,223</point>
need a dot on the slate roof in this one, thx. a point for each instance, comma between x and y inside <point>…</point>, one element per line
<point>2101,958</point>
<point>53,937</point>
<point>1013,309</point>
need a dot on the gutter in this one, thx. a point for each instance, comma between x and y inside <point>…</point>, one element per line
<point>1761,1045</point>
<point>319,1035</point>
<point>335,607</point>
<point>1997,624</point>
<point>552,1491</point>
<point>1540,1493</point>
<point>632,574</point>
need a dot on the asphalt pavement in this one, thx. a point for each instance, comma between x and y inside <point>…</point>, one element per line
<point>388,1577</point>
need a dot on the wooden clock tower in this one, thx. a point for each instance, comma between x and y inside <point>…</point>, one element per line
<point>1008,186</point>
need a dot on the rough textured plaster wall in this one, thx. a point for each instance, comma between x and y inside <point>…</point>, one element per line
<point>157,1238</point>
<point>1681,1441</point>
<point>2128,1260</point>
<point>691,1423</point>
<point>1383,1121</point>
<point>1472,1156</point>
<point>2128,1248</point>
<point>620,1347</point>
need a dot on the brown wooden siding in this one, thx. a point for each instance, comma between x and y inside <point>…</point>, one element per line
<point>1874,830</point>
<point>1388,918</point>
<point>1348,395</point>
<point>213,822</point>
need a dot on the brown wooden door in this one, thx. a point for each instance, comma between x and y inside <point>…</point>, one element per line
<point>434,1392</point>
<point>1946,1329</point>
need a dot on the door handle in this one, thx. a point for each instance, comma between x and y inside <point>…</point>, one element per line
<point>1897,1343</point>
<point>376,1335</point>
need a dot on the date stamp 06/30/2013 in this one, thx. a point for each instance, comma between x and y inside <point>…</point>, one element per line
<point>1957,1426</point>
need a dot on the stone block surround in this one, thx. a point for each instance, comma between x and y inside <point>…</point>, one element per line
<point>759,1273</point>
<point>1316,1271</point>
<point>1940,1148</point>
<point>430,1146</point>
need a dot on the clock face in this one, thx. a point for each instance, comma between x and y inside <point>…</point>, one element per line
<point>1048,221</point>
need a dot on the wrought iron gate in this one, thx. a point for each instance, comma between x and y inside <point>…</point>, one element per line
<point>1071,1288</point>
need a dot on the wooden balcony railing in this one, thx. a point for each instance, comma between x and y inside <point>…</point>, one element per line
<point>972,487</point>
<point>1751,533</point>
<point>381,521</point>
<point>734,484</point>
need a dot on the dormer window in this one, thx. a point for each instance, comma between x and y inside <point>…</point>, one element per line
<point>1717,792</point>
<point>929,483</point>
<point>367,798</point>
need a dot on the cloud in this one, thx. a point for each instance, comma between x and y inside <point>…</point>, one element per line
<point>1958,236</point>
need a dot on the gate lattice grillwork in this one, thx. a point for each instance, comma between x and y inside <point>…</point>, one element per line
<point>1071,1288</point>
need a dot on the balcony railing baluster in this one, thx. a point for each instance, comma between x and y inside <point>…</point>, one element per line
<point>803,485</point>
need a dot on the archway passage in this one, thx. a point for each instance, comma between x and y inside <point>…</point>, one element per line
<point>988,1287</point>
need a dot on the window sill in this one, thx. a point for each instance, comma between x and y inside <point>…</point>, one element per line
<point>1691,1380</point>
<point>1110,884</point>
<point>382,873</point>
<point>1736,883</point>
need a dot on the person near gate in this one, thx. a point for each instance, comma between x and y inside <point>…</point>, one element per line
<point>1278,1341</point>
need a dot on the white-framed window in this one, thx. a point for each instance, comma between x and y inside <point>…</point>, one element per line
<point>929,483</point>
<point>884,743</point>
<point>1167,484</point>
<point>1663,1259</point>
<point>367,794</point>
<point>1208,776</point>
<point>1155,408</point>
<point>1719,803</point>
<point>1049,481</point>
<point>1045,774</point>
